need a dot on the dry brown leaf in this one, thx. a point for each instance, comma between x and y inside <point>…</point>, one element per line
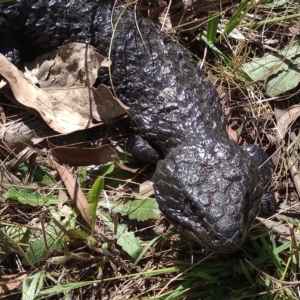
<point>14,141</point>
<point>27,154</point>
<point>65,75</point>
<point>84,156</point>
<point>107,106</point>
<point>154,13</point>
<point>74,191</point>
<point>146,189</point>
<point>2,84</point>
<point>11,282</point>
<point>7,178</point>
<point>286,119</point>
<point>232,133</point>
<point>2,113</point>
<point>77,195</point>
<point>67,102</point>
<point>57,115</point>
<point>19,145</point>
<point>126,167</point>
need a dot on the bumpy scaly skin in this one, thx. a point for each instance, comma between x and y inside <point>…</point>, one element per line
<point>207,184</point>
<point>221,181</point>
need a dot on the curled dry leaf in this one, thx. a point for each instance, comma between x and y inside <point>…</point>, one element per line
<point>286,119</point>
<point>20,145</point>
<point>11,282</point>
<point>145,189</point>
<point>74,191</point>
<point>66,99</point>
<point>76,194</point>
<point>84,156</point>
<point>27,154</point>
<point>232,133</point>
<point>278,228</point>
<point>57,116</point>
<point>154,13</point>
<point>107,106</point>
<point>14,141</point>
<point>65,75</point>
<point>7,178</point>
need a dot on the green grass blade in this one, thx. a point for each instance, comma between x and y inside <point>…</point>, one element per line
<point>223,57</point>
<point>93,197</point>
<point>257,24</point>
<point>145,249</point>
<point>212,26</point>
<point>237,17</point>
<point>246,272</point>
<point>32,285</point>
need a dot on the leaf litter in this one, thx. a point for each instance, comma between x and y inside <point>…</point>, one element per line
<point>59,87</point>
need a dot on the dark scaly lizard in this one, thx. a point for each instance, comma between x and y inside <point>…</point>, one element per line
<point>205,183</point>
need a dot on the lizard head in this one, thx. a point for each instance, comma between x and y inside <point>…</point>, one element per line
<point>209,187</point>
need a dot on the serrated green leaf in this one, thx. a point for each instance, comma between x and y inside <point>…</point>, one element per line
<point>138,209</point>
<point>38,249</point>
<point>10,237</point>
<point>40,174</point>
<point>283,81</point>
<point>127,240</point>
<point>33,199</point>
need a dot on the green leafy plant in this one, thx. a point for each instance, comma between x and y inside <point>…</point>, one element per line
<point>279,71</point>
<point>33,199</point>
